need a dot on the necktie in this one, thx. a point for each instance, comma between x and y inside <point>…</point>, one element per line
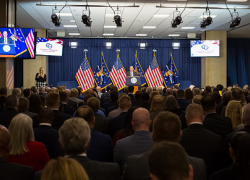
<point>5,41</point>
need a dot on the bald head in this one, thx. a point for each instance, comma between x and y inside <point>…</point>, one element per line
<point>141,119</point>
<point>4,142</point>
<point>99,89</point>
<point>68,92</point>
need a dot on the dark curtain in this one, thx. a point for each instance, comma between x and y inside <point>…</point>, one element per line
<point>65,67</point>
<point>238,55</point>
<point>18,73</point>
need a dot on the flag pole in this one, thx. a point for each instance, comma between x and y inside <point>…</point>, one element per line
<point>101,68</point>
<point>154,65</point>
<point>85,50</point>
<point>117,51</point>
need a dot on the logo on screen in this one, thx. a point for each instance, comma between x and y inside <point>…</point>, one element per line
<point>133,80</point>
<point>48,45</point>
<point>204,47</point>
<point>6,48</point>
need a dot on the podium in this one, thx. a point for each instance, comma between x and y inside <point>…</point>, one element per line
<point>7,50</point>
<point>134,81</point>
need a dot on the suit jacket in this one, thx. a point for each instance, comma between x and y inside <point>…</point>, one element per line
<point>137,168</point>
<point>59,119</point>
<point>218,124</point>
<point>2,102</point>
<point>202,143</point>
<point>11,171</point>
<point>136,103</point>
<point>104,95</point>
<point>145,105</point>
<point>134,73</point>
<point>112,108</point>
<point>108,105</point>
<point>183,104</point>
<point>183,120</point>
<point>139,142</point>
<point>76,100</point>
<point>101,123</point>
<point>132,97</point>
<point>73,104</point>
<point>34,117</point>
<point>6,116</point>
<point>48,136</point>
<point>116,123</point>
<point>224,174</point>
<point>115,113</point>
<point>153,114</point>
<point>100,148</point>
<point>68,109</point>
<point>220,106</point>
<point>95,170</point>
<point>9,40</point>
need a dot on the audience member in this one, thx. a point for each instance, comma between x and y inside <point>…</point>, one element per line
<point>234,112</point>
<point>217,97</point>
<point>64,169</point>
<point>64,100</point>
<point>108,99</point>
<point>3,93</point>
<point>145,101</point>
<point>53,102</point>
<point>113,102</point>
<point>42,91</point>
<point>196,91</point>
<point>157,106</point>
<point>183,103</point>
<point>188,94</point>
<point>219,87</point>
<point>44,133</point>
<point>226,97</point>
<point>172,105</point>
<point>27,93</point>
<point>169,91</point>
<point>74,101</point>
<point>151,96</point>
<point>140,142</point>
<point>239,152</point>
<point>208,89</point>
<point>117,111</point>
<point>11,106</point>
<point>196,139</point>
<point>99,91</point>
<point>149,90</point>
<point>23,148</point>
<point>11,171</point>
<point>235,86</point>
<point>101,122</point>
<point>34,90</point>
<point>16,92</point>
<point>167,127</point>
<point>137,101</point>
<point>100,148</point>
<point>106,94</point>
<point>35,103</point>
<point>24,108</point>
<point>117,122</point>
<point>197,99</point>
<point>130,93</point>
<point>176,86</point>
<point>214,122</point>
<point>167,160</point>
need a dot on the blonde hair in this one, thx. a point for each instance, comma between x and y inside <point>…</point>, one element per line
<point>21,131</point>
<point>234,112</point>
<point>64,169</point>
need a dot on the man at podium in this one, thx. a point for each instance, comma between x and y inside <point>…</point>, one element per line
<point>5,39</point>
<point>131,72</point>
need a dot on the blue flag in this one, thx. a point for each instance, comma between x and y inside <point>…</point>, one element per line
<point>170,74</point>
<point>136,64</point>
<point>101,74</point>
<point>19,39</point>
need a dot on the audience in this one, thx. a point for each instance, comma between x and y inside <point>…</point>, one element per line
<point>16,92</point>
<point>100,148</point>
<point>137,101</point>
<point>27,93</point>
<point>145,101</point>
<point>24,108</point>
<point>74,101</point>
<point>130,93</point>
<point>188,94</point>
<point>35,103</point>
<point>42,91</point>
<point>99,91</point>
<point>44,133</point>
<point>197,99</point>
<point>234,112</point>
<point>157,106</point>
<point>64,98</point>
<point>113,102</point>
<point>117,110</point>
<point>183,103</point>
<point>3,93</point>
<point>140,142</point>
<point>196,91</point>
<point>172,105</point>
<point>23,149</point>
<point>64,169</point>
<point>34,90</point>
<point>226,97</point>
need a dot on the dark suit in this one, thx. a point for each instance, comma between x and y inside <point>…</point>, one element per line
<point>6,116</point>
<point>34,117</point>
<point>116,123</point>
<point>139,142</point>
<point>132,97</point>
<point>42,94</point>
<point>153,114</point>
<point>109,104</point>
<point>137,168</point>
<point>104,95</point>
<point>95,170</point>
<point>133,74</point>
<point>111,109</point>
<point>220,106</point>
<point>183,103</point>
<point>136,103</point>
<point>11,171</point>
<point>59,119</point>
<point>68,109</point>
<point>145,105</point>
<point>218,124</point>
<point>202,143</point>
<point>9,40</point>
<point>2,102</point>
<point>73,104</point>
<point>100,148</point>
<point>48,136</point>
<point>101,123</point>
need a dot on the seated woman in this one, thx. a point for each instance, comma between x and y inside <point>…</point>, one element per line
<point>239,152</point>
<point>172,105</point>
<point>23,148</point>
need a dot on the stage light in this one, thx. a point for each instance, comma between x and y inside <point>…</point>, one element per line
<point>54,18</point>
<point>86,20</point>
<point>118,20</point>
<point>206,22</point>
<point>177,21</point>
<point>235,22</point>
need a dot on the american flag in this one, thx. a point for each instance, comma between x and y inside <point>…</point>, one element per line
<point>30,43</point>
<point>85,76</point>
<point>153,74</point>
<point>10,74</point>
<point>118,74</point>
<point>58,41</point>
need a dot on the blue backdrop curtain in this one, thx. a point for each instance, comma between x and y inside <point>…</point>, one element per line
<point>238,56</point>
<point>65,67</point>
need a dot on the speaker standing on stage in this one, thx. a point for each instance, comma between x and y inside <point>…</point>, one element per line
<point>131,71</point>
<point>40,78</point>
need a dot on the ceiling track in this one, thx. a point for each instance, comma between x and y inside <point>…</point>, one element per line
<point>202,7</point>
<point>75,5</point>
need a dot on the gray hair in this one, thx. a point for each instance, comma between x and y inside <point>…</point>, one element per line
<point>171,103</point>
<point>74,136</point>
<point>41,89</point>
<point>149,90</point>
<point>196,91</point>
<point>16,92</point>
<point>246,114</point>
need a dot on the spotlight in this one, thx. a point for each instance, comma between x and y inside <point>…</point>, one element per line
<point>118,20</point>
<point>206,22</point>
<point>54,18</point>
<point>235,22</point>
<point>86,20</point>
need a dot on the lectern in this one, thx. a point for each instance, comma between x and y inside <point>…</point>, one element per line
<point>134,81</point>
<point>8,50</point>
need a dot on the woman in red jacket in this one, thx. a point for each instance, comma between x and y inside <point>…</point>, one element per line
<point>23,148</point>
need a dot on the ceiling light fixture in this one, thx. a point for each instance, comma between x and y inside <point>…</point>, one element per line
<point>187,27</point>
<point>174,35</point>
<point>86,18</point>
<point>108,34</point>
<point>109,26</point>
<point>74,34</point>
<point>177,19</point>
<point>207,20</point>
<point>55,17</point>
<point>117,18</point>
<point>64,14</point>
<point>69,25</point>
<point>160,16</point>
<point>149,27</point>
<point>235,21</point>
<point>141,34</point>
